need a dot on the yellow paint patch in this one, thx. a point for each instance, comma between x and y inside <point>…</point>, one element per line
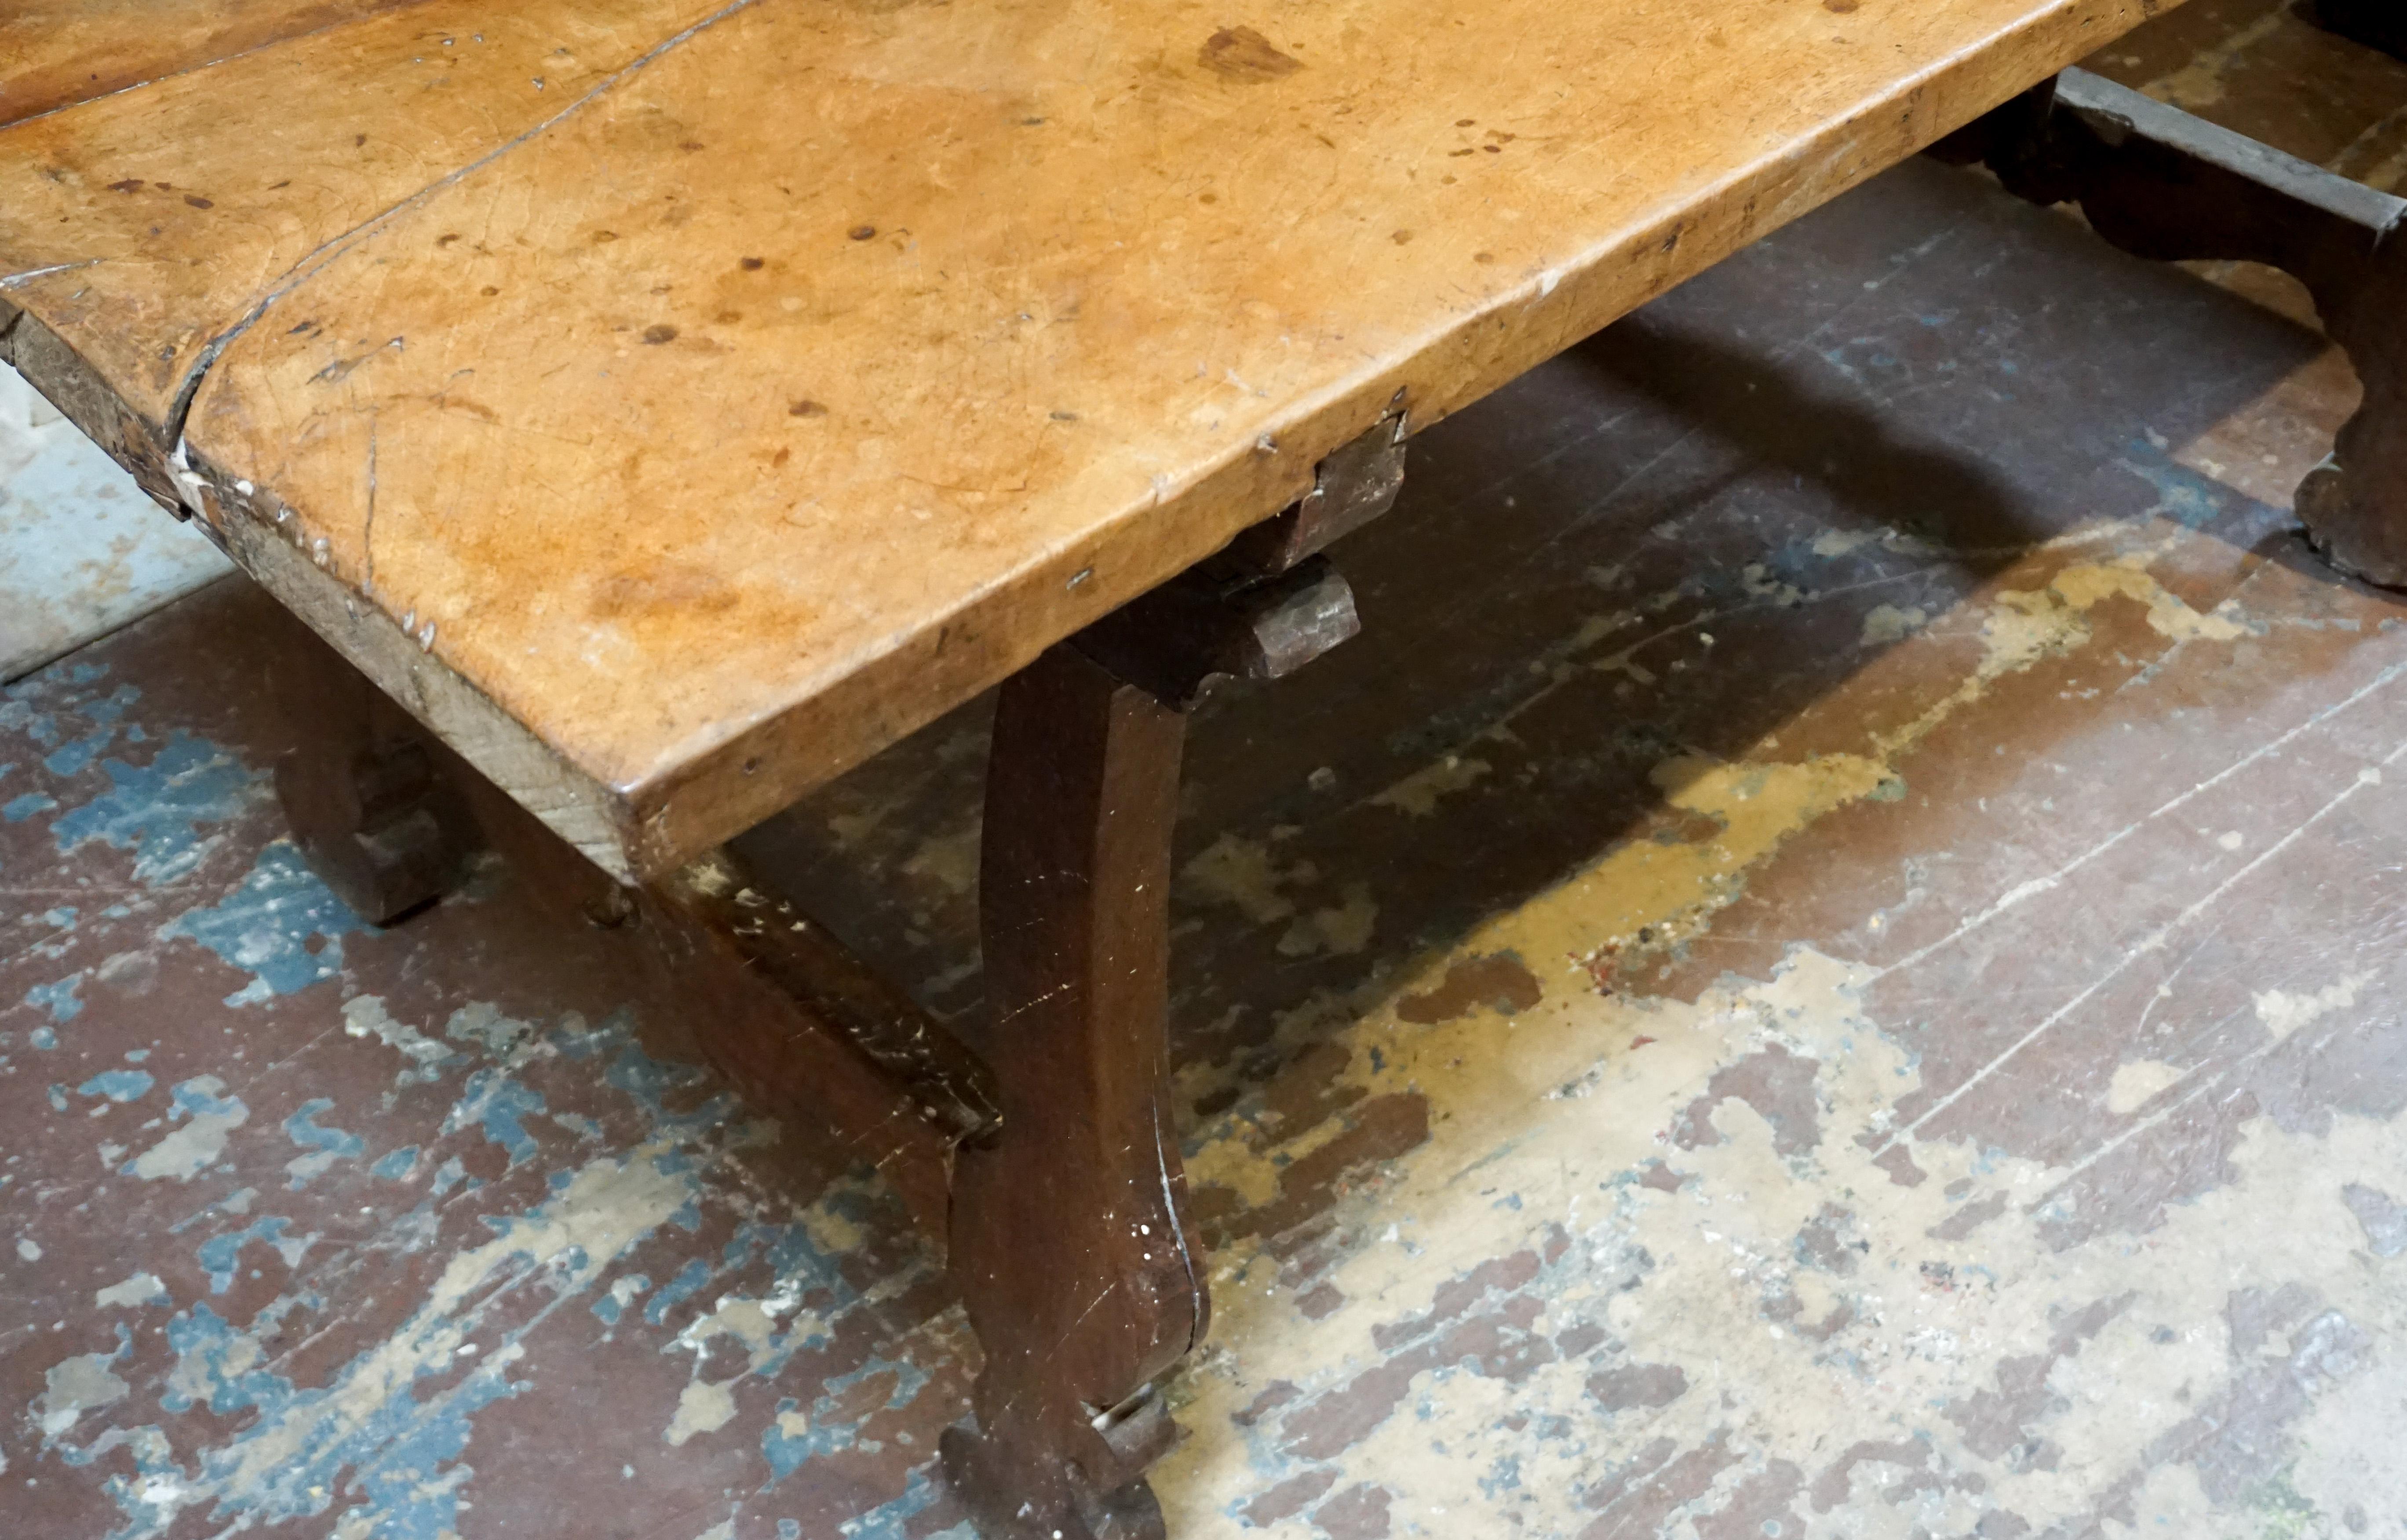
<point>1419,793</point>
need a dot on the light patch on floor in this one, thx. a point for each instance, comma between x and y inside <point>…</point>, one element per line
<point>86,551</point>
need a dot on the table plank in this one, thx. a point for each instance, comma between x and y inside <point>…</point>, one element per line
<point>65,52</point>
<point>158,219</point>
<point>816,375</point>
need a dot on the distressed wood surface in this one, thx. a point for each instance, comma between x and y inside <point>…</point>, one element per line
<point>743,398</point>
<point>63,52</point>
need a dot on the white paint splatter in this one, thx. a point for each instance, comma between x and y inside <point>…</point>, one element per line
<point>80,1384</point>
<point>140,1289</point>
<point>704,1406</point>
<point>2283,1014</point>
<point>195,1147</point>
<point>2140,1082</point>
<point>364,1016</point>
<point>1887,623</point>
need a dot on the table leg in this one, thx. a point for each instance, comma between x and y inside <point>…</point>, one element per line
<point>1071,1241</point>
<point>2162,184</point>
<point>370,807</point>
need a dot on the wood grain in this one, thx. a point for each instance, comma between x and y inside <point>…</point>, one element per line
<point>820,372</point>
<point>145,227</point>
<point>63,52</point>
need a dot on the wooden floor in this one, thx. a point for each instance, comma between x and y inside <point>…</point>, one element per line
<point>1827,965</point>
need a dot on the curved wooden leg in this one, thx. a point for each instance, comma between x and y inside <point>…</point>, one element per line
<point>1070,1241</point>
<point>2162,184</point>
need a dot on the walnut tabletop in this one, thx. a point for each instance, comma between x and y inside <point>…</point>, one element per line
<point>675,403</point>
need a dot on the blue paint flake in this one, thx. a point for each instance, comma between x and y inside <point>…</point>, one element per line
<point>612,1304</point>
<point>380,1431</point>
<point>43,1037</point>
<point>157,809</point>
<point>397,1165</point>
<point>205,1347</point>
<point>221,1256</point>
<point>18,809</point>
<point>107,715</point>
<point>117,1085</point>
<point>824,1432</point>
<point>326,1145</point>
<point>264,927</point>
<point>886,1520</point>
<point>688,1281</point>
<point>58,998</point>
<point>501,1106</point>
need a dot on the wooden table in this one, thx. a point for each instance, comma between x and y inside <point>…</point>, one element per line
<point>671,403</point>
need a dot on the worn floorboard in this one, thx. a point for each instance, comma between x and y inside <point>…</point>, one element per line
<point>1827,965</point>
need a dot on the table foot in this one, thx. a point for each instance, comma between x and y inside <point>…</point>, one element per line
<point>371,808</point>
<point>2162,184</point>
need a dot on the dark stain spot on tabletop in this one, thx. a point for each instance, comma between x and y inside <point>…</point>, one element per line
<point>130,184</point>
<point>690,146</point>
<point>659,333</point>
<point>862,231</point>
<point>1499,982</point>
<point>807,408</point>
<point>446,237</point>
<point>1402,237</point>
<point>750,265</point>
<point>197,201</point>
<point>1243,54</point>
<point>604,237</point>
<point>358,140</point>
<point>1840,7</point>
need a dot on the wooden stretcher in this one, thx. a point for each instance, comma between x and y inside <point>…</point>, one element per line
<point>668,404</point>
